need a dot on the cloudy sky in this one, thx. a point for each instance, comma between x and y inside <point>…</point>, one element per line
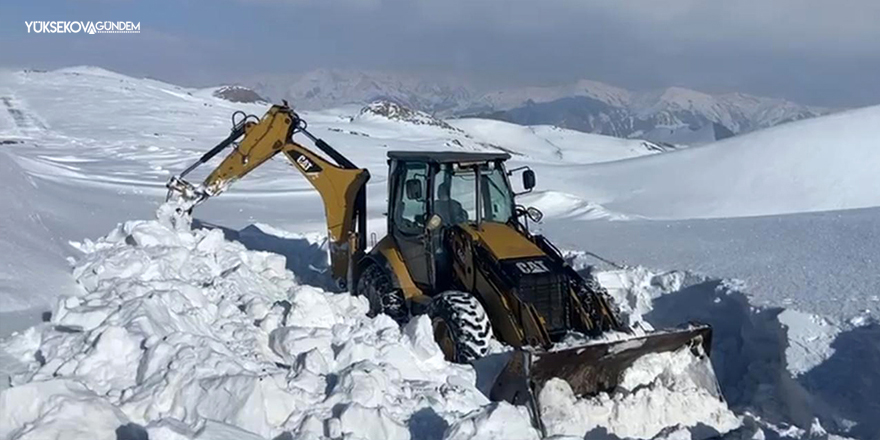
<point>823,52</point>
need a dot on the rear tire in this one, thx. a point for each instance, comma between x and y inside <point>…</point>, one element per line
<point>461,326</point>
<point>375,285</point>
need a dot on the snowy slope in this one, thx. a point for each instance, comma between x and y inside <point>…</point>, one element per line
<point>822,164</point>
<point>545,143</point>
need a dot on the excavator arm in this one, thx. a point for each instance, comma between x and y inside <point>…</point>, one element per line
<point>340,183</point>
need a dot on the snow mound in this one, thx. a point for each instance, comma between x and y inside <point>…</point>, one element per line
<point>177,328</point>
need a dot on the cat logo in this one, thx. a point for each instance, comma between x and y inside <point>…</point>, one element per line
<point>530,267</point>
<point>306,165</point>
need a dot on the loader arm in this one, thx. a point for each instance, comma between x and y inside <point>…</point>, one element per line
<point>340,184</point>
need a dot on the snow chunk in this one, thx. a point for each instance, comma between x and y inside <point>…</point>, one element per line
<point>809,340</point>
<point>498,421</point>
<point>57,409</point>
<point>359,422</point>
<point>660,390</point>
<point>113,363</point>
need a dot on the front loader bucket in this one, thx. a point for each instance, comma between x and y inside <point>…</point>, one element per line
<point>592,368</point>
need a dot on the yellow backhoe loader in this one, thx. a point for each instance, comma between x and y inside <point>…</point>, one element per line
<point>458,249</point>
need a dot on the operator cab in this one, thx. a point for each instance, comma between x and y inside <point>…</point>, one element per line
<point>430,192</point>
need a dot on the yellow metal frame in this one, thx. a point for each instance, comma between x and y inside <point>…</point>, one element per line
<point>338,187</point>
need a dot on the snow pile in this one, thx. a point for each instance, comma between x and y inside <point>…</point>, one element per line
<point>178,328</point>
<point>659,391</point>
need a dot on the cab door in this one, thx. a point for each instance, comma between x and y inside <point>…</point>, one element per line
<point>408,217</point>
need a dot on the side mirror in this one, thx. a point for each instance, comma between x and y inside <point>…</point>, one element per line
<point>528,179</point>
<point>413,189</point>
<point>535,214</point>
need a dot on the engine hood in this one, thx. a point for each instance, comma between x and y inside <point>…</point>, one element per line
<point>503,241</point>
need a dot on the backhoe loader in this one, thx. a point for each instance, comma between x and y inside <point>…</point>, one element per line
<point>458,249</point>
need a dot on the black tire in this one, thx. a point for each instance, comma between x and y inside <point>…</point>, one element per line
<point>461,326</point>
<point>375,285</point>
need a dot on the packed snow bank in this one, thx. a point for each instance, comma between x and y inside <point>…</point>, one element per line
<point>820,164</point>
<point>182,327</point>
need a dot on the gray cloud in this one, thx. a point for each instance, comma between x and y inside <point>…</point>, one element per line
<point>816,51</point>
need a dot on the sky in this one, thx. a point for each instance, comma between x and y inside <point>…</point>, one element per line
<point>819,52</point>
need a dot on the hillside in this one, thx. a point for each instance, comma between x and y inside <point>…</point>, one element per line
<point>822,164</point>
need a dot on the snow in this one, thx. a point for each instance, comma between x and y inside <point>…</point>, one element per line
<point>820,263</point>
<point>821,164</point>
<point>663,395</point>
<point>810,338</point>
<point>185,326</point>
<point>232,329</point>
<point>494,421</point>
<point>545,143</point>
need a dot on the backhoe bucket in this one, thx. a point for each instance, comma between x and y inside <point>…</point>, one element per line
<point>592,368</point>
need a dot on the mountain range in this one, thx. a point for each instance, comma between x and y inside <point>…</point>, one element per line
<point>673,115</point>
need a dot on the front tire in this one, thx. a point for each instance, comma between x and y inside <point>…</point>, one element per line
<point>461,326</point>
<point>375,284</point>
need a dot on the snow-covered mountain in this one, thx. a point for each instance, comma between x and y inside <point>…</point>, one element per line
<point>328,88</point>
<point>674,115</point>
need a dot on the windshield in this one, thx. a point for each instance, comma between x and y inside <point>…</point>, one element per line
<point>455,195</point>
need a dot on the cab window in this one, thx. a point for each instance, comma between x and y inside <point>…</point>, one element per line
<point>411,198</point>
